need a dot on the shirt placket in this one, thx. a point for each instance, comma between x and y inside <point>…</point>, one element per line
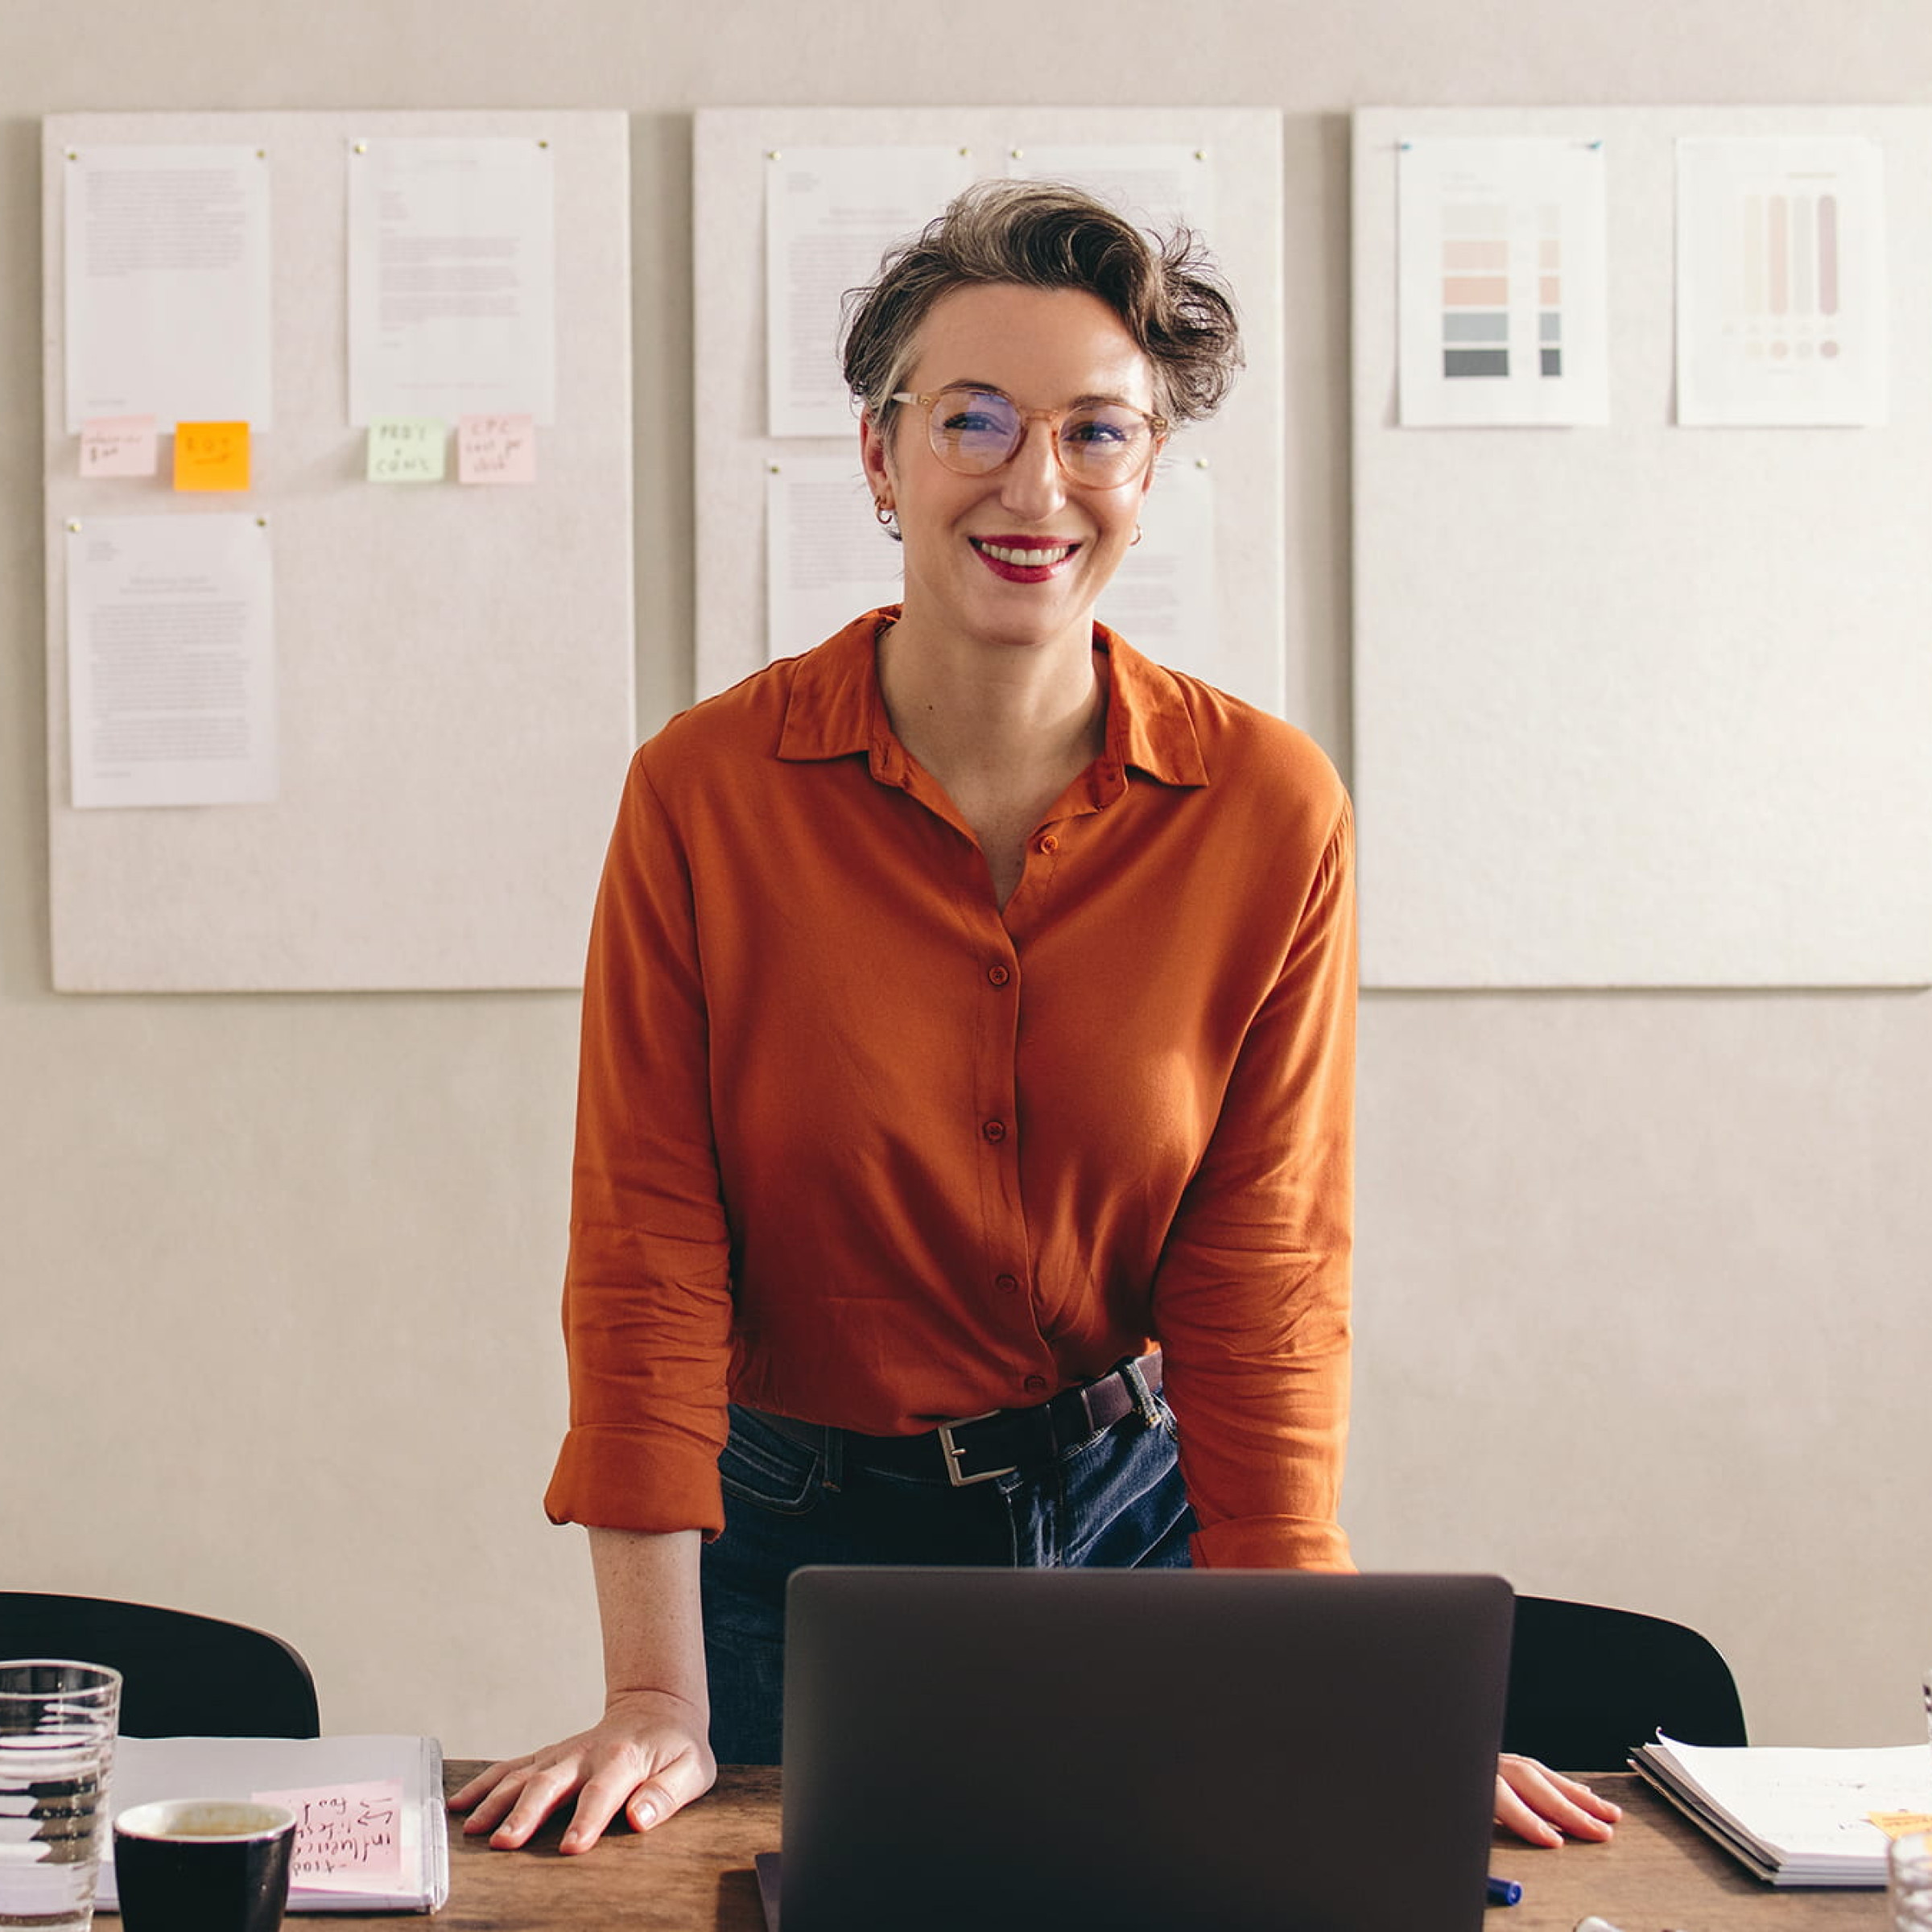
<point>1007,1258</point>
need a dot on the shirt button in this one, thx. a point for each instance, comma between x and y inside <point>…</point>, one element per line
<point>1050,846</point>
<point>1035,1384</point>
<point>994,1130</point>
<point>999,975</point>
<point>1007,1284</point>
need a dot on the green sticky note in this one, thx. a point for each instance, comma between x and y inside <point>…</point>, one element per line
<point>407,449</point>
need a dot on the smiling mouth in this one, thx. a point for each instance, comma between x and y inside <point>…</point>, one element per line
<point>1032,557</point>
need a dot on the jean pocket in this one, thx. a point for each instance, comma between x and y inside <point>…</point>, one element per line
<point>761,1465</point>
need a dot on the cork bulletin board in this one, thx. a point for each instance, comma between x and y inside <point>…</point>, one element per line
<point>453,665</point>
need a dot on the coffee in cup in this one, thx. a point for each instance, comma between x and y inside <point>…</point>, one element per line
<point>203,1865</point>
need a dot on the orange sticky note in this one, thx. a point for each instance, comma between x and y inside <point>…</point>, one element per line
<point>211,455</point>
<point>1899,1824</point>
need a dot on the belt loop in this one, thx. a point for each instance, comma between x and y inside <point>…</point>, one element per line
<point>1143,1396</point>
<point>833,1462</point>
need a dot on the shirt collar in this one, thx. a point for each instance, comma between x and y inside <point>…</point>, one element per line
<point>835,709</point>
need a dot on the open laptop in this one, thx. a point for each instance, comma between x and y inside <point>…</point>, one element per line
<point>1055,1750</point>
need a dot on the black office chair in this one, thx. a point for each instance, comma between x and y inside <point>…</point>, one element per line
<point>182,1675</point>
<point>1587,1683</point>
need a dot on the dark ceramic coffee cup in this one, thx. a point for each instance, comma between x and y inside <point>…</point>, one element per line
<point>203,1865</point>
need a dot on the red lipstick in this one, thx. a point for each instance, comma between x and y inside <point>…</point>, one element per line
<point>1024,559</point>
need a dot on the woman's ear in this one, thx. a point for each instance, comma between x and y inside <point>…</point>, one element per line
<point>1160,443</point>
<point>874,460</point>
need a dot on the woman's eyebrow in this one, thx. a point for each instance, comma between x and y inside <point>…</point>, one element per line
<point>1080,401</point>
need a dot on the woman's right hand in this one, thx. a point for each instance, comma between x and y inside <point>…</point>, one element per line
<point>647,1757</point>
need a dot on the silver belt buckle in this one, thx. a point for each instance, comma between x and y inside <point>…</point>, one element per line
<point>953,1452</point>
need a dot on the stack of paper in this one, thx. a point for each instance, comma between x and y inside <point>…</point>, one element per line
<point>1795,1817</point>
<point>371,1834</point>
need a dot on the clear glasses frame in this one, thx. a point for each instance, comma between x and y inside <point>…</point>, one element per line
<point>1076,471</point>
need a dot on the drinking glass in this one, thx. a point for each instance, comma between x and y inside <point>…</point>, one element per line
<point>57,1726</point>
<point>1908,1882</point>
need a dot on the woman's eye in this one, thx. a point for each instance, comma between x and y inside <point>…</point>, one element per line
<point>1098,429</point>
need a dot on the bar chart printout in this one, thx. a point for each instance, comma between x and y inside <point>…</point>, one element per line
<point>1502,283</point>
<point>1781,282</point>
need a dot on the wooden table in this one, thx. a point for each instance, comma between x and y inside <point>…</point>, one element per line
<point>694,1874</point>
<point>693,1871</point>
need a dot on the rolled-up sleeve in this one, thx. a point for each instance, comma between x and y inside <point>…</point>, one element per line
<point>647,1288</point>
<point>1252,1296</point>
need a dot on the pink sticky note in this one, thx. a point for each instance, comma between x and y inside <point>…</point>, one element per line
<point>118,446</point>
<point>348,1838</point>
<point>496,449</point>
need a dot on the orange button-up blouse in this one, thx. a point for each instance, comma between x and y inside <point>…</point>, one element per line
<point>855,1145</point>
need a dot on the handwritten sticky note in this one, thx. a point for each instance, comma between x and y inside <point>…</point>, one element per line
<point>407,449</point>
<point>348,1838</point>
<point>118,446</point>
<point>1900,1824</point>
<point>211,455</point>
<point>496,449</point>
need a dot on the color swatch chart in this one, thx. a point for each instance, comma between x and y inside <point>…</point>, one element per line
<point>1781,282</point>
<point>1502,296</point>
<point>1476,294</point>
<point>1788,281</point>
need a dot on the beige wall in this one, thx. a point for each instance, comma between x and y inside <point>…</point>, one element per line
<point>1641,1276</point>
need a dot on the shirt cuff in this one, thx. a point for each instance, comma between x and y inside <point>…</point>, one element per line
<point>612,1478</point>
<point>1272,1542</point>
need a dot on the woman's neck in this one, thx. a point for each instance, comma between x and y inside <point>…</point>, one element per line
<point>968,710</point>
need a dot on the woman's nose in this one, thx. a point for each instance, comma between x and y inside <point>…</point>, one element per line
<point>1031,484</point>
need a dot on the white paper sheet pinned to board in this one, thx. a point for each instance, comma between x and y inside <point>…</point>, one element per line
<point>171,661</point>
<point>829,214</point>
<point>1163,185</point>
<point>1781,282</point>
<point>167,284</point>
<point>1501,308</point>
<point>1164,597</point>
<point>451,278</point>
<point>826,559</point>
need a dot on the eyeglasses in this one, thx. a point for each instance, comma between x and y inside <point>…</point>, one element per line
<point>974,431</point>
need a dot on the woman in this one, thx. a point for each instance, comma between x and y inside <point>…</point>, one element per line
<point>970,1002</point>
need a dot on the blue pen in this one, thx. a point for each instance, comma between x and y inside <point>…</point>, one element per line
<point>1504,1892</point>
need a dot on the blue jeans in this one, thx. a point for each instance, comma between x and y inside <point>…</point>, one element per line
<point>1115,1501</point>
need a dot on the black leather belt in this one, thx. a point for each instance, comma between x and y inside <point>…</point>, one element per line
<point>1003,1441</point>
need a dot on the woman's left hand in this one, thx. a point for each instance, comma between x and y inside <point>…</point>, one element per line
<point>1543,1807</point>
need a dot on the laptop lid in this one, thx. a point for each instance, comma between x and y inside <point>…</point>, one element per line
<point>1049,1750</point>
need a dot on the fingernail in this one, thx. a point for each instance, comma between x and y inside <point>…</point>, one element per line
<point>644,1815</point>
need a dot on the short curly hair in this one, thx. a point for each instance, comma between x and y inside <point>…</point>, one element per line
<point>1048,234</point>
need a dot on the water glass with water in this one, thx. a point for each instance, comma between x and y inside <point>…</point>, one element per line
<point>1909,1864</point>
<point>57,1726</point>
<point>1908,1882</point>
